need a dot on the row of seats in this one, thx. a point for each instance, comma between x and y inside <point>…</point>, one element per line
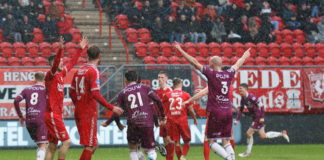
<point>142,34</point>
<point>43,49</point>
<point>39,61</point>
<point>230,61</point>
<point>227,49</point>
<point>59,4</point>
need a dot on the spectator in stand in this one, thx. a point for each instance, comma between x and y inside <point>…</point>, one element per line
<point>23,2</point>
<point>157,30</point>
<point>266,9</point>
<point>242,26</point>
<point>209,10</point>
<point>114,7</point>
<point>49,30</point>
<point>183,10</point>
<point>41,9</point>
<point>256,6</point>
<point>26,30</point>
<point>190,3</point>
<point>231,25</point>
<point>303,13</point>
<point>218,32</point>
<point>267,30</point>
<point>315,4</point>
<point>10,28</point>
<point>311,31</point>
<point>320,27</point>
<point>161,10</point>
<point>196,31</point>
<point>134,15</point>
<point>234,12</point>
<point>147,14</point>
<point>31,12</point>
<point>290,17</point>
<point>182,29</point>
<point>247,11</point>
<point>254,35</point>
<point>169,28</point>
<point>207,25</point>
<point>63,28</point>
<point>239,3</point>
<point>125,7</point>
<point>54,11</point>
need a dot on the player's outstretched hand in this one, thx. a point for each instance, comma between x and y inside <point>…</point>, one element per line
<point>84,42</point>
<point>104,124</point>
<point>121,127</point>
<point>118,111</point>
<point>177,46</point>
<point>61,43</point>
<point>247,53</point>
<point>22,121</point>
<point>236,123</point>
<point>261,120</point>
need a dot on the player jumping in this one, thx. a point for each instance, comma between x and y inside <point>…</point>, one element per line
<point>85,94</point>
<point>35,98</point>
<point>218,105</point>
<point>256,109</point>
<point>177,123</point>
<point>54,101</point>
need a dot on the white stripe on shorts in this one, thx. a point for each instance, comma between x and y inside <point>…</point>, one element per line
<point>55,129</point>
<point>91,132</point>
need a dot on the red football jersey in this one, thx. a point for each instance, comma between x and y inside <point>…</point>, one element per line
<point>86,80</point>
<point>172,104</point>
<point>162,91</point>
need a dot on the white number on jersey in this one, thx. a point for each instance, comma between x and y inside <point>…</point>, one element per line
<point>132,99</point>
<point>79,85</point>
<point>34,98</point>
<point>224,88</point>
<point>179,100</point>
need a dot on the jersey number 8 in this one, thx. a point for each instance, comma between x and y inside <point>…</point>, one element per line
<point>34,98</point>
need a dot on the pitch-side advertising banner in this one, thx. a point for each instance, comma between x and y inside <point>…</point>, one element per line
<point>314,87</point>
<point>13,135</point>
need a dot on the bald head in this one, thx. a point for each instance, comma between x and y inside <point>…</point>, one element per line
<point>215,61</point>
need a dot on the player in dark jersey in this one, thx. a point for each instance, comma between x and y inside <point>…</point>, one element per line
<point>35,98</point>
<point>218,105</point>
<point>136,99</point>
<point>256,110</point>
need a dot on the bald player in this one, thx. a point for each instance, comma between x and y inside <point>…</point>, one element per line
<point>220,117</point>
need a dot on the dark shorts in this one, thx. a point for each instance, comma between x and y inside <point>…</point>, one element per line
<point>37,131</point>
<point>141,135</point>
<point>256,125</point>
<point>219,125</point>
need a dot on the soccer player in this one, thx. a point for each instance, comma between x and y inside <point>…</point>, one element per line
<point>136,100</point>
<point>54,101</point>
<point>177,123</point>
<point>35,98</point>
<point>256,109</point>
<point>218,105</point>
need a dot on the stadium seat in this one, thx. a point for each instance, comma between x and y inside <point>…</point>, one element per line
<point>284,61</point>
<point>249,61</point>
<point>296,60</point>
<point>253,50</point>
<point>38,35</point>
<point>141,49</point>
<point>45,49</point>
<point>215,49</point>
<point>286,49</point>
<point>46,6</point>
<point>233,60</point>
<point>227,49</point>
<point>278,36</point>
<point>272,60</point>
<point>69,19</point>
<point>6,49</point>
<point>280,21</point>
<point>319,60</point>
<point>287,36</point>
<point>184,61</point>
<point>144,35</point>
<point>174,6</point>
<point>13,61</point>
<point>20,49</point>
<point>201,60</point>
<point>200,9</point>
<point>122,21</point>
<point>166,49</point>
<point>225,61</point>
<point>307,61</point>
<point>203,49</point>
<point>81,61</point>
<point>162,60</point>
<point>3,61</point>
<point>55,47</point>
<point>300,36</point>
<point>60,5</point>
<point>27,61</point>
<point>238,48</point>
<point>176,52</point>
<point>175,60</point>
<point>262,49</point>
<point>32,49</point>
<point>149,60</point>
<point>66,60</point>
<point>76,34</point>
<point>320,49</point>
<point>298,49</point>
<point>260,61</point>
<point>41,61</point>
<point>190,48</point>
<point>41,18</point>
<point>274,49</point>
<point>1,35</point>
<point>310,49</point>
<point>70,48</point>
<point>153,48</point>
<point>131,35</point>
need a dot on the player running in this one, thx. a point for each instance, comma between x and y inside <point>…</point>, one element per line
<point>136,99</point>
<point>85,94</point>
<point>218,105</point>
<point>54,101</point>
<point>177,123</point>
<point>256,109</point>
<point>35,98</point>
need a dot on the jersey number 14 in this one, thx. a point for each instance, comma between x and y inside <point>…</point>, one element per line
<point>79,85</point>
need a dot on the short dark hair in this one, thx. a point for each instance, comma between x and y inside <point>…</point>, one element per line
<point>139,79</point>
<point>39,76</point>
<point>244,85</point>
<point>131,76</point>
<point>224,68</point>
<point>93,52</point>
<point>165,73</point>
<point>51,59</point>
<point>176,81</point>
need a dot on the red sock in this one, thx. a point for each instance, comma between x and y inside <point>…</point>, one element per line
<point>178,151</point>
<point>61,159</point>
<point>86,155</point>
<point>170,150</point>
<point>206,150</point>
<point>232,143</point>
<point>185,149</point>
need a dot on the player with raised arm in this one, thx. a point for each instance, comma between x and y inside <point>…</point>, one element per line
<point>218,105</point>
<point>136,100</point>
<point>35,98</point>
<point>54,101</point>
<point>85,95</point>
<point>177,122</point>
<point>256,109</point>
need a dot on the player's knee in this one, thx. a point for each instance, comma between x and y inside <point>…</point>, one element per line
<point>67,143</point>
<point>263,136</point>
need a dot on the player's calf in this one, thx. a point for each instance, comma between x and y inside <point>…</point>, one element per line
<point>41,151</point>
<point>63,149</point>
<point>151,154</point>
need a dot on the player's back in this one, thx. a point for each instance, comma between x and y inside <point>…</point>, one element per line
<point>35,97</point>
<point>173,105</point>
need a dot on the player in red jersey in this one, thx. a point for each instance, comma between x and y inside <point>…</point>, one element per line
<point>177,122</point>
<point>54,99</point>
<point>85,94</point>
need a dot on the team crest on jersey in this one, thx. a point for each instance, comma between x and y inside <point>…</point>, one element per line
<point>60,87</point>
<point>317,86</point>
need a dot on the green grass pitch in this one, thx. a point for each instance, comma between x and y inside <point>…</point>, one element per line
<point>259,152</point>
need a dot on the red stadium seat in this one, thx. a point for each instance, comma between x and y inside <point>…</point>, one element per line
<point>140,49</point>
<point>307,61</point>
<point>131,35</point>
<point>296,60</point>
<point>13,61</point>
<point>122,21</point>
<point>174,6</point>
<point>6,49</point>
<point>60,5</point>
<point>41,61</point>
<point>253,50</point>
<point>225,61</point>
<point>184,61</point>
<point>1,35</point>
<point>200,9</point>
<point>319,60</point>
<point>272,60</point>
<point>166,49</point>
<point>260,61</point>
<point>320,49</point>
<point>27,61</point>
<point>310,49</point>
<point>284,61</point>
<point>3,61</point>
<point>233,60</point>
<point>227,49</point>
<point>298,49</point>
<point>201,60</point>
<point>278,36</point>
<point>153,48</point>
<point>41,18</point>
<point>20,49</point>
<point>149,60</point>
<point>176,52</point>
<point>38,35</point>
<point>70,48</point>
<point>76,34</point>
<point>81,61</point>
<point>300,36</point>
<point>66,60</point>
<point>280,21</point>
<point>262,49</point>
<point>238,48</point>
<point>32,49</point>
<point>215,49</point>
<point>274,49</point>
<point>69,19</point>
<point>144,35</point>
<point>286,49</point>
<point>287,35</point>
<point>46,6</point>
<point>249,61</point>
<point>45,49</point>
<point>203,49</point>
<point>162,60</point>
<point>190,48</point>
<point>175,60</point>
